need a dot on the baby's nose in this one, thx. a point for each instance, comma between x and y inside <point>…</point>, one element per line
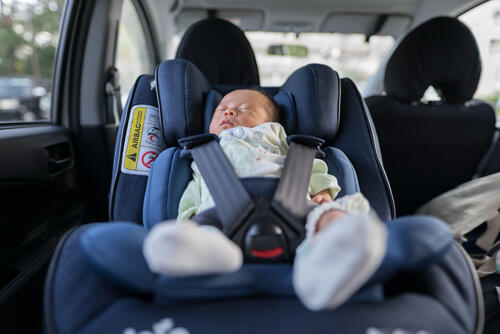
<point>230,112</point>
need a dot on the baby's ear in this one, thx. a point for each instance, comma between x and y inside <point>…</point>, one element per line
<point>211,102</point>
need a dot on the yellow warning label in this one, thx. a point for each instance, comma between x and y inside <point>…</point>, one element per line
<point>134,140</point>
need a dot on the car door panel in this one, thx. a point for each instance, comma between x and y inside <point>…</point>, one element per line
<point>39,200</point>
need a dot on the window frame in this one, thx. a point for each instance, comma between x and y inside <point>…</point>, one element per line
<point>146,22</point>
<point>69,8</point>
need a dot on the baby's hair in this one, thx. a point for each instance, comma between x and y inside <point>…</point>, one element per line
<point>272,106</point>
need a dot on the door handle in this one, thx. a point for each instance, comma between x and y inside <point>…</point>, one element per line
<point>57,166</point>
<point>59,157</point>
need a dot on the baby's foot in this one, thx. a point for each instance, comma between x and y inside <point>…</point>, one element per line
<point>355,204</point>
<point>187,249</point>
<point>334,263</point>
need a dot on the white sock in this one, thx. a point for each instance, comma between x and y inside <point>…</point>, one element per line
<point>334,263</point>
<point>187,249</point>
<point>355,204</point>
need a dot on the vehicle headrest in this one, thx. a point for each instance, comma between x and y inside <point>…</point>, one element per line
<point>441,52</point>
<point>221,51</point>
<point>309,100</point>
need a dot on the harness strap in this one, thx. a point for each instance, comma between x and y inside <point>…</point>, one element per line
<point>290,196</point>
<point>232,201</point>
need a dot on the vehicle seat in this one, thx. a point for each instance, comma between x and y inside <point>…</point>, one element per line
<point>81,299</point>
<point>221,51</point>
<point>429,148</point>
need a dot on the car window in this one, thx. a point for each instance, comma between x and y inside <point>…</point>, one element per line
<point>29,37</point>
<point>133,55</point>
<point>279,54</point>
<point>484,21</point>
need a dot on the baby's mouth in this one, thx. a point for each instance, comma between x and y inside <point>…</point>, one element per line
<point>226,121</point>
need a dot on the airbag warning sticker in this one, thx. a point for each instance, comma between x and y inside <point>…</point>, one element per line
<point>144,140</point>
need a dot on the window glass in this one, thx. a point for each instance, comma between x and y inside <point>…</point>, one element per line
<point>133,56</point>
<point>28,38</point>
<point>484,21</point>
<point>279,54</point>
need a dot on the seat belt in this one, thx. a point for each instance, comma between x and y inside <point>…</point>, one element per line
<point>290,195</point>
<point>232,201</point>
<point>113,96</point>
<point>265,230</point>
<point>493,150</point>
<point>113,110</point>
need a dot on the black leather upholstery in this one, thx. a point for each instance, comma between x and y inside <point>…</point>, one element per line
<point>221,51</point>
<point>430,148</point>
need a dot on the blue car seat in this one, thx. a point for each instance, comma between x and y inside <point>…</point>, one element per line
<point>116,292</point>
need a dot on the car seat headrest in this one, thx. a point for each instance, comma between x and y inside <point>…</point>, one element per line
<point>309,100</point>
<point>221,51</point>
<point>441,52</point>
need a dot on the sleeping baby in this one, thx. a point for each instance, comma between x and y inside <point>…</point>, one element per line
<point>345,242</point>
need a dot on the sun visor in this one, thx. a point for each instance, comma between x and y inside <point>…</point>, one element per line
<point>366,24</point>
<point>244,19</point>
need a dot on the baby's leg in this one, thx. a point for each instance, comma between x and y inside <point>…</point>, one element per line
<point>187,249</point>
<point>338,256</point>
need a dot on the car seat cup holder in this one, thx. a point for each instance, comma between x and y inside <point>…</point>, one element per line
<point>267,230</point>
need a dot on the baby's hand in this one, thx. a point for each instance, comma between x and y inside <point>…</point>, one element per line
<point>322,197</point>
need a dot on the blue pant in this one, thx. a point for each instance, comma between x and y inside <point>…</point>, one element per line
<point>414,243</point>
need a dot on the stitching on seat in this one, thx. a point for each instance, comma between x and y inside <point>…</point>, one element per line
<point>186,123</point>
<point>171,183</point>
<point>315,84</point>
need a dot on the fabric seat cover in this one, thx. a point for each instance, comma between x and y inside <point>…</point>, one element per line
<point>221,51</point>
<point>429,148</point>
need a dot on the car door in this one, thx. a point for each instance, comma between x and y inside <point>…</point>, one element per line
<point>58,119</point>
<point>40,182</point>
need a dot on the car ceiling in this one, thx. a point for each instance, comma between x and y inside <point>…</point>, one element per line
<point>172,17</point>
<point>312,14</point>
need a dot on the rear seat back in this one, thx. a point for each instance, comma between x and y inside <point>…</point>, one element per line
<point>221,51</point>
<point>429,148</point>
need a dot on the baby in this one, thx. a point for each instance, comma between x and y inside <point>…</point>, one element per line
<point>255,144</point>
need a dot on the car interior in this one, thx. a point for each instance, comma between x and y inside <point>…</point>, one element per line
<point>405,95</point>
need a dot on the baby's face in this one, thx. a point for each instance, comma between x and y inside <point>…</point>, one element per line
<point>240,108</point>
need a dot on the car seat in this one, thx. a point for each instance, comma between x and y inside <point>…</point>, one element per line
<point>221,51</point>
<point>124,296</point>
<point>429,148</point>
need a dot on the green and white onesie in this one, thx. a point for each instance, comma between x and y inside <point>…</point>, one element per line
<point>253,152</point>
